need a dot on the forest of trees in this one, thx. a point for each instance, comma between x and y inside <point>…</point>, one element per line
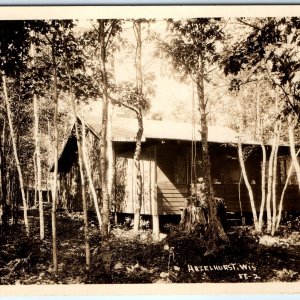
<point>242,73</point>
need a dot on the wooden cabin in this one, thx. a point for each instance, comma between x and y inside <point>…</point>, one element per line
<point>170,161</point>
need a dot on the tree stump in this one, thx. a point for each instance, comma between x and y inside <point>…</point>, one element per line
<point>194,216</point>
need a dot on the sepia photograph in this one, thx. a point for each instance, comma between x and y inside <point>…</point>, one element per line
<point>150,148</point>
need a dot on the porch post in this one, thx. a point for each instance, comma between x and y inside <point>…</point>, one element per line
<point>155,217</point>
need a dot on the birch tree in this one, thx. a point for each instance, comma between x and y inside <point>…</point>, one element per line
<point>271,47</point>
<point>37,152</point>
<point>241,128</point>
<point>15,151</point>
<point>55,121</point>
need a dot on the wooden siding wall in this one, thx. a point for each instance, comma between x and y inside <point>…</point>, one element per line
<point>172,193</point>
<point>171,198</point>
<point>237,199</point>
<point>172,177</point>
<point>125,181</point>
<point>166,176</point>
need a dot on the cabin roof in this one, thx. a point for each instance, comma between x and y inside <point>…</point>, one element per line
<point>125,129</point>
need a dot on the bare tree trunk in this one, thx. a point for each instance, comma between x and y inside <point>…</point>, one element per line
<point>83,194</point>
<point>274,183</point>
<point>269,192</point>
<point>89,174</point>
<point>243,169</point>
<point>54,187</point>
<point>259,129</point>
<point>110,157</point>
<point>270,180</point>
<point>215,229</point>
<point>263,186</point>
<point>104,137</point>
<point>136,157</point>
<point>111,152</point>
<point>154,202</point>
<point>38,165</point>
<point>37,159</point>
<point>248,185</point>
<point>139,84</point>
<point>35,182</point>
<point>12,133</point>
<point>291,126</point>
<point>50,160</point>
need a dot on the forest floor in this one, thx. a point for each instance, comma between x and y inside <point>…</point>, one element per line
<point>131,258</point>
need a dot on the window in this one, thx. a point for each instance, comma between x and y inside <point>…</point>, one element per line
<point>181,169</point>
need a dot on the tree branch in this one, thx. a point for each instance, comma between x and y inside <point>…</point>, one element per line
<point>248,24</point>
<point>109,31</point>
<point>115,101</point>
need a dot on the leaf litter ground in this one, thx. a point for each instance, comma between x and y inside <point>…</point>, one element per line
<point>139,258</point>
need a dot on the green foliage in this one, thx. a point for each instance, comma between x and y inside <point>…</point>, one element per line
<point>91,47</point>
<point>270,47</point>
<point>128,95</point>
<point>136,94</point>
<point>14,46</point>
<point>192,40</point>
<point>25,57</point>
<point>60,36</point>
